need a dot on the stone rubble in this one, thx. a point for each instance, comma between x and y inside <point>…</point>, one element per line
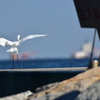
<point>78,83</point>
<point>19,96</point>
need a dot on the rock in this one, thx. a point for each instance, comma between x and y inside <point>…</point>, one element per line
<point>50,96</point>
<point>48,86</point>
<point>91,93</point>
<point>78,83</point>
<point>58,96</point>
<point>20,96</point>
<point>68,96</point>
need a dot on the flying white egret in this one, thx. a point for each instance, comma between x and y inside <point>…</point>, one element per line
<point>14,45</point>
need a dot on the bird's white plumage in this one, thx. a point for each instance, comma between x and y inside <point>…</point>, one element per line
<point>4,42</point>
<point>31,37</point>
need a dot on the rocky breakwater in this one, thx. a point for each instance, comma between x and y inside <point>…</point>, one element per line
<point>69,89</point>
<point>84,86</point>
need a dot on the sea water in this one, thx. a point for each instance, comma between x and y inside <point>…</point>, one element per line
<point>44,63</point>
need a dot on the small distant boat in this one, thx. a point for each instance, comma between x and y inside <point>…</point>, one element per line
<point>84,52</point>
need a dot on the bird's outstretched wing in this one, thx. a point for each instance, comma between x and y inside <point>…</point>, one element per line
<point>4,42</point>
<point>31,37</point>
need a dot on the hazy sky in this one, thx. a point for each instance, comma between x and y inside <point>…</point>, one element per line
<point>56,18</point>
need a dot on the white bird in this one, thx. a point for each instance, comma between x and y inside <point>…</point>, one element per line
<point>4,42</point>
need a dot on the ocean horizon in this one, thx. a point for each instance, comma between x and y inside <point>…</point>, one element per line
<point>44,63</point>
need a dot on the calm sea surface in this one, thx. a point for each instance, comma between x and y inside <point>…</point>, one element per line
<point>44,63</point>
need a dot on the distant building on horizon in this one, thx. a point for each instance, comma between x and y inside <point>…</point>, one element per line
<point>22,56</point>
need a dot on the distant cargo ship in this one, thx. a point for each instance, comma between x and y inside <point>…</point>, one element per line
<point>85,51</point>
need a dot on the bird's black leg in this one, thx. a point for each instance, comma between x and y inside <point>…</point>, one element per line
<point>18,62</point>
<point>13,61</point>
